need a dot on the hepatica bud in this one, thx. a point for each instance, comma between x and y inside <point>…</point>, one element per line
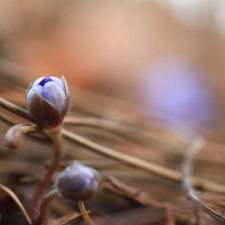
<point>48,101</point>
<point>78,182</point>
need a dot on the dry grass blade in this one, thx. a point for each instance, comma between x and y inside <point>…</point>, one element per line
<point>110,153</point>
<point>138,197</point>
<point>15,109</point>
<point>151,167</point>
<point>136,135</point>
<point>84,213</point>
<point>14,197</point>
<point>67,219</point>
<point>187,170</point>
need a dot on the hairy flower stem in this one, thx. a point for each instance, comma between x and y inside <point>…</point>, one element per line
<point>43,218</point>
<point>57,140</point>
<point>84,213</point>
<point>44,206</point>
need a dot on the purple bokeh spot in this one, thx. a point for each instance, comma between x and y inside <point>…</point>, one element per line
<point>176,88</point>
<point>45,80</point>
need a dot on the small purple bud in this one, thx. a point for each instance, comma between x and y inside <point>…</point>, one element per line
<point>48,101</point>
<point>78,182</point>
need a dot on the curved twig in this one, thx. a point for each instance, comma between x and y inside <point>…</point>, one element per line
<point>187,168</point>
<point>15,198</point>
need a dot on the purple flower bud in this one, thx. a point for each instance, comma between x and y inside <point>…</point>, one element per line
<point>48,101</point>
<point>78,182</point>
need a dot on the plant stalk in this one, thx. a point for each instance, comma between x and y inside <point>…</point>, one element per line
<point>57,140</point>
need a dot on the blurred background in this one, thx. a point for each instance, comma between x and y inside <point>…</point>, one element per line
<point>166,56</point>
<point>127,61</point>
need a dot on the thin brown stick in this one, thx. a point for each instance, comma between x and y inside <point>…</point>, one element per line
<point>15,109</point>
<point>84,213</point>
<point>136,135</point>
<point>8,120</point>
<point>186,172</point>
<point>68,219</point>
<point>159,170</point>
<point>112,185</point>
<point>151,167</point>
<point>14,197</point>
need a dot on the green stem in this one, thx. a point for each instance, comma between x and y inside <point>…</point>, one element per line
<point>57,139</point>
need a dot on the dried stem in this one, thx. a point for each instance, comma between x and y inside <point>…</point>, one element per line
<point>44,206</point>
<point>110,153</point>
<point>84,213</point>
<point>15,109</point>
<point>68,219</point>
<point>57,140</point>
<point>6,119</point>
<point>14,197</point>
<point>186,173</point>
<point>151,167</point>
<point>136,135</point>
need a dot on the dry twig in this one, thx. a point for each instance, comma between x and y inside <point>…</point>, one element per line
<point>186,172</point>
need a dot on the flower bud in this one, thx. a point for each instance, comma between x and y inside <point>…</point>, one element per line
<point>78,182</point>
<point>48,101</point>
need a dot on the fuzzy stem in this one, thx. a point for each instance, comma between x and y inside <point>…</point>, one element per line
<point>44,206</point>
<point>57,139</point>
<point>84,213</point>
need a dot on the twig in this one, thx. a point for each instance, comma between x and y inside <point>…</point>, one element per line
<point>151,167</point>
<point>68,219</point>
<point>15,109</point>
<point>186,172</point>
<point>115,127</point>
<point>8,120</point>
<point>110,153</point>
<point>14,197</point>
<point>113,186</point>
<point>84,213</point>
